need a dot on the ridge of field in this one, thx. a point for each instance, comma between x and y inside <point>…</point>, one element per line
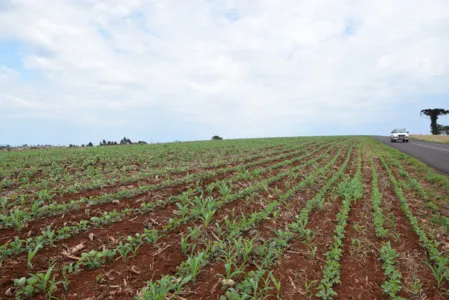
<point>278,218</point>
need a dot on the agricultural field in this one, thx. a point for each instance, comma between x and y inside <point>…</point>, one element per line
<point>443,139</point>
<point>280,218</point>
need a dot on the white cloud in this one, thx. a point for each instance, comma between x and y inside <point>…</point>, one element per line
<point>7,74</point>
<point>266,66</point>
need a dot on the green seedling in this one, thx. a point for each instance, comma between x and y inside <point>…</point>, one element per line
<point>440,270</point>
<point>229,274</point>
<point>308,287</point>
<point>151,236</point>
<point>32,254</point>
<point>192,266</point>
<point>313,250</point>
<point>49,235</point>
<point>4,204</point>
<point>36,283</point>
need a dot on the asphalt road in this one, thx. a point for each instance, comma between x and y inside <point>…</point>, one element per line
<point>433,154</point>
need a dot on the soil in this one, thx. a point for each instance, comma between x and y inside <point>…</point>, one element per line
<point>299,264</point>
<point>96,210</point>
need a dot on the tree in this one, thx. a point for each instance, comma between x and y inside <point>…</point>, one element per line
<point>443,128</point>
<point>90,144</point>
<point>433,114</point>
<point>216,138</point>
<point>125,141</point>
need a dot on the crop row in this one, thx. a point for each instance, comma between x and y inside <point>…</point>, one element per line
<point>49,236</point>
<point>350,190</point>
<point>56,163</point>
<point>45,193</point>
<point>434,207</point>
<point>17,218</point>
<point>234,252</point>
<point>202,209</point>
<point>438,262</point>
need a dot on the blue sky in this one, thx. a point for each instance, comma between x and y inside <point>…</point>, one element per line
<point>168,70</point>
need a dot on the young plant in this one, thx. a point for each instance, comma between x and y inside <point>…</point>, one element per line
<point>19,218</point>
<point>31,254</point>
<point>65,282</point>
<point>206,216</point>
<point>158,290</point>
<point>308,286</point>
<point>151,236</point>
<point>37,283</point>
<point>184,246</point>
<point>313,250</point>
<point>191,267</point>
<point>392,285</point>
<point>49,235</point>
<point>95,259</point>
<point>440,270</point>
<point>4,204</point>
<point>124,250</point>
<point>229,274</point>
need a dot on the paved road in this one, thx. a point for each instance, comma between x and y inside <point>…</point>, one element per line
<point>434,154</point>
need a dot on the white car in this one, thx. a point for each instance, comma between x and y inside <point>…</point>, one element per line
<point>399,135</point>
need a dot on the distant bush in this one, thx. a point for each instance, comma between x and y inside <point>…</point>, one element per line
<point>443,129</point>
<point>126,141</point>
<point>216,138</point>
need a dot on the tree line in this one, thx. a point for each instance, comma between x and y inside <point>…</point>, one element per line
<point>123,141</point>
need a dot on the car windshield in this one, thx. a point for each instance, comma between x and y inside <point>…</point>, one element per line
<point>399,131</point>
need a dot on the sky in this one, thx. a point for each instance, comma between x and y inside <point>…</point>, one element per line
<point>75,71</point>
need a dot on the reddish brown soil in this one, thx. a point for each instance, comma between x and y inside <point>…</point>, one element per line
<point>96,210</point>
<point>177,175</point>
<point>159,266</point>
<point>113,187</point>
<point>405,242</point>
<point>207,285</point>
<point>361,273</point>
<point>420,205</point>
<point>298,267</point>
<point>17,267</point>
